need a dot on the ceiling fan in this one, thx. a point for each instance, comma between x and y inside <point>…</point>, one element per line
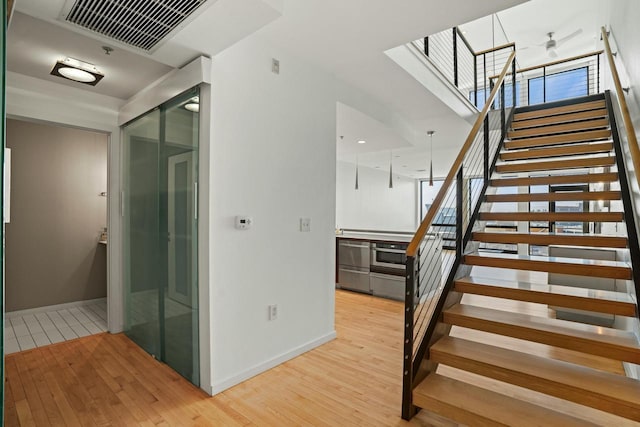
<point>552,45</point>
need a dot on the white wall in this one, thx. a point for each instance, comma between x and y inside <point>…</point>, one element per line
<point>273,158</point>
<point>374,206</point>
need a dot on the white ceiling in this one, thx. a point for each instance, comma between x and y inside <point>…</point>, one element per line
<point>528,24</point>
<point>346,38</point>
<point>34,46</point>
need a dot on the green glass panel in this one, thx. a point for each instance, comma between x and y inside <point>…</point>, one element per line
<point>160,233</point>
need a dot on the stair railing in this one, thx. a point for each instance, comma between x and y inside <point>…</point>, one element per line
<point>431,269</point>
<point>632,144</point>
<point>632,141</point>
<point>450,52</point>
<point>565,78</point>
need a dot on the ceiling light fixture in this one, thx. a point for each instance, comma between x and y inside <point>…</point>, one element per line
<point>430,133</point>
<point>77,71</point>
<point>193,104</point>
<point>362,141</point>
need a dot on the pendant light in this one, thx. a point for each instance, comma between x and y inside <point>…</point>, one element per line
<point>390,169</point>
<point>430,133</point>
<point>356,171</point>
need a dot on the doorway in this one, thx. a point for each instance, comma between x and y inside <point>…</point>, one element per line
<point>56,246</point>
<point>160,236</point>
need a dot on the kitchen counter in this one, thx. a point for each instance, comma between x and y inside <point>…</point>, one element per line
<point>376,236</point>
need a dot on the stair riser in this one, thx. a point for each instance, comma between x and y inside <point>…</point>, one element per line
<point>559,128</point>
<point>559,179</point>
<point>593,162</point>
<point>554,197</point>
<point>553,120</point>
<point>547,112</point>
<point>569,150</point>
<point>582,345</point>
<point>553,216</point>
<point>603,271</point>
<point>452,412</point>
<point>558,139</point>
<point>578,303</point>
<point>563,391</point>
<point>544,240</point>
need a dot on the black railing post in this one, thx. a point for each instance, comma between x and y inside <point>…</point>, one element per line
<point>475,80</point>
<point>625,190</point>
<point>455,56</point>
<point>598,73</point>
<point>513,82</point>
<point>484,78</point>
<point>486,148</point>
<point>502,109</point>
<point>459,214</point>
<point>544,84</point>
<point>426,46</point>
<point>408,409</point>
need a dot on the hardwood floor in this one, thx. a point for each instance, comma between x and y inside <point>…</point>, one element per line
<point>106,380</point>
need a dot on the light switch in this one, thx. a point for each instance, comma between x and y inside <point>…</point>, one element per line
<point>305,224</point>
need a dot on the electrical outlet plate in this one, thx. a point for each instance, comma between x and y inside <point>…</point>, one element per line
<point>275,66</point>
<point>305,224</point>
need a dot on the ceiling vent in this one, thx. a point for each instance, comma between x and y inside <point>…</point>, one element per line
<point>138,23</point>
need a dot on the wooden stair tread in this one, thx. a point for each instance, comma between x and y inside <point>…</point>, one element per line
<point>597,340</point>
<point>554,179</point>
<point>568,138</point>
<point>562,150</point>
<point>564,118</point>
<point>559,128</point>
<point>556,196</point>
<point>573,266</point>
<point>544,239</point>
<point>605,391</point>
<point>586,162</point>
<point>556,295</point>
<point>553,216</point>
<point>476,406</point>
<point>546,112</point>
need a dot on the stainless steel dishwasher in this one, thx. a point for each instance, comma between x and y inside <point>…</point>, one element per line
<point>353,265</point>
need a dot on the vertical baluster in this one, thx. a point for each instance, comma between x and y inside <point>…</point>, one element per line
<point>426,46</point>
<point>459,216</point>
<point>475,80</point>
<point>455,56</point>
<point>513,82</point>
<point>486,148</point>
<point>407,374</point>
<point>598,73</point>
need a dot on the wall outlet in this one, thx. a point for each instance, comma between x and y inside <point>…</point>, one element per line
<point>305,224</point>
<point>273,311</point>
<point>275,66</point>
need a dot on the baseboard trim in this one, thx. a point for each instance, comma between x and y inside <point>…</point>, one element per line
<point>271,363</point>
<point>65,306</point>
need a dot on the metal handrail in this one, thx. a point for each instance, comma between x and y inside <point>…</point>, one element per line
<point>412,249</point>
<point>626,117</point>
<point>558,62</point>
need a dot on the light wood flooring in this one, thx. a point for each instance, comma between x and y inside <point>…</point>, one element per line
<point>106,380</point>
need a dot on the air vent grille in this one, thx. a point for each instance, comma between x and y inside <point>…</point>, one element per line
<point>139,23</point>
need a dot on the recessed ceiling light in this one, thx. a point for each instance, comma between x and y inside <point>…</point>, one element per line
<point>362,141</point>
<point>78,71</point>
<point>192,106</point>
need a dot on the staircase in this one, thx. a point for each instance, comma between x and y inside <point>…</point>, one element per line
<point>502,338</point>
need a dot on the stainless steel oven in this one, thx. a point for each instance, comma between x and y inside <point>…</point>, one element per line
<point>388,257</point>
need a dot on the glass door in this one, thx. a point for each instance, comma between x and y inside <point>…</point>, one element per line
<point>160,233</point>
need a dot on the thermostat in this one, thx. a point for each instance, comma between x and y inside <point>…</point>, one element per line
<point>243,222</point>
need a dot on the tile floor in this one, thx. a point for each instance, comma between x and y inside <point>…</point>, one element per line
<point>36,330</point>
